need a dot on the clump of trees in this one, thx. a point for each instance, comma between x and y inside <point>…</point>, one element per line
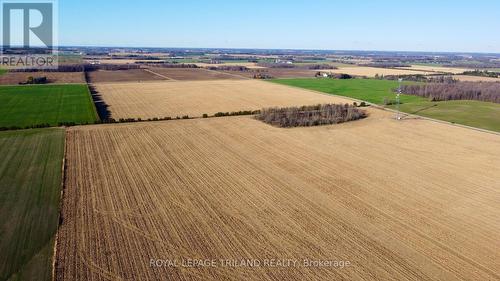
<point>262,75</point>
<point>306,116</point>
<point>35,80</point>
<point>387,101</point>
<point>333,75</point>
<point>362,104</point>
<point>480,91</point>
<point>342,76</point>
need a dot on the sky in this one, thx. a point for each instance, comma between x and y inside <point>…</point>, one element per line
<point>384,25</point>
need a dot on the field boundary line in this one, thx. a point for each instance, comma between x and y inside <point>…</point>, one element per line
<point>136,82</point>
<point>96,114</point>
<point>158,74</point>
<point>376,106</point>
<point>44,85</point>
<point>438,121</point>
<point>61,197</point>
<point>433,71</point>
<point>230,74</point>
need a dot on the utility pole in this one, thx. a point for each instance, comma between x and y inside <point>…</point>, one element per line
<point>398,99</point>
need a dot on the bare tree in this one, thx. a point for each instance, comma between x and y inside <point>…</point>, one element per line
<point>305,116</point>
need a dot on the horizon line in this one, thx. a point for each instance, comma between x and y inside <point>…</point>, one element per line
<point>279,49</point>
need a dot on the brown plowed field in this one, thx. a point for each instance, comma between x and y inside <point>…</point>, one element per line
<point>410,200</point>
<point>132,75</point>
<point>195,98</point>
<point>195,74</point>
<point>14,78</point>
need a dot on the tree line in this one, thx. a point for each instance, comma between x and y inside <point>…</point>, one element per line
<point>228,68</point>
<point>483,73</point>
<point>80,68</point>
<point>386,64</point>
<point>419,78</point>
<point>480,91</point>
<point>321,66</point>
<point>276,65</point>
<point>169,65</point>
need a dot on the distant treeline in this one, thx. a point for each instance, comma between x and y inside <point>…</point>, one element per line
<point>61,68</point>
<point>480,91</point>
<point>386,64</point>
<point>306,116</point>
<point>113,67</point>
<point>136,57</point>
<point>321,66</point>
<point>229,68</point>
<point>476,65</point>
<point>276,65</point>
<point>481,73</point>
<point>81,68</point>
<point>229,58</point>
<point>419,78</point>
<point>169,65</point>
<point>311,58</point>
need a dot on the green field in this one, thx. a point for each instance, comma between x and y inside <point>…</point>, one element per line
<point>234,61</point>
<point>23,106</point>
<point>30,182</point>
<point>483,115</point>
<point>491,69</point>
<point>69,59</point>
<point>187,60</point>
<point>369,90</point>
<point>2,71</point>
